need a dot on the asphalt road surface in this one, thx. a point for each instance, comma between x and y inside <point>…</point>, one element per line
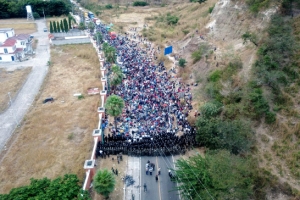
<point>163,189</point>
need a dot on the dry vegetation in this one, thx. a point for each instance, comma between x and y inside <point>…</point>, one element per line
<point>55,138</point>
<point>20,25</point>
<point>11,81</point>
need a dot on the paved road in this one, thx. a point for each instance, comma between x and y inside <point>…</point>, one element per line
<point>162,190</point>
<point>15,113</point>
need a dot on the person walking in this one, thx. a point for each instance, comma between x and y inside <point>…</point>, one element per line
<point>156,177</point>
<point>158,171</point>
<point>145,187</point>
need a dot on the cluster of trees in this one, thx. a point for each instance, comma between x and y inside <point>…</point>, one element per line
<point>17,9</point>
<point>66,187</point>
<point>62,26</point>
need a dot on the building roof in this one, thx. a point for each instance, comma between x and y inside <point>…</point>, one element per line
<point>4,30</point>
<point>9,42</point>
<point>21,37</point>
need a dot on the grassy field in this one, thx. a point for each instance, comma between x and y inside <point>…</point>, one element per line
<point>55,138</point>
<point>11,81</point>
<point>20,25</point>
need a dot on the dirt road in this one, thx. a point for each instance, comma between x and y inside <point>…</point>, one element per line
<point>10,119</point>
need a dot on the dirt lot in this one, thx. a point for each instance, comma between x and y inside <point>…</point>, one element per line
<point>55,138</point>
<point>20,25</point>
<point>11,81</point>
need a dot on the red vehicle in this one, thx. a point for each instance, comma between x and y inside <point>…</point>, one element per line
<point>113,35</point>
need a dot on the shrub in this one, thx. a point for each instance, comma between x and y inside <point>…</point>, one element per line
<point>140,3</point>
<point>270,117</point>
<point>210,9</point>
<point>197,55</point>
<point>172,19</point>
<point>182,62</point>
<point>215,76</point>
<point>108,6</point>
<point>36,15</point>
<point>185,32</point>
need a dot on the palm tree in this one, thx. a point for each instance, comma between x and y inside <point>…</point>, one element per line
<point>116,76</point>
<point>114,106</point>
<point>110,54</point>
<point>104,182</point>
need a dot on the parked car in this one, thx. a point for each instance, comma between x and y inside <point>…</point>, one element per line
<point>49,99</point>
<point>45,30</point>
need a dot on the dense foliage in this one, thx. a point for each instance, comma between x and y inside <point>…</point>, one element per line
<point>17,9</point>
<point>220,175</point>
<point>60,188</point>
<point>104,182</point>
<point>140,3</point>
<point>114,106</point>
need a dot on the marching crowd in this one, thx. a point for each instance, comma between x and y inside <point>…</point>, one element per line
<point>156,106</point>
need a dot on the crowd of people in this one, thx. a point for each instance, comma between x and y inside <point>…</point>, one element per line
<point>154,121</point>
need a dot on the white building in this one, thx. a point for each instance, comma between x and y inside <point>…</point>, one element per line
<point>6,33</point>
<point>14,47</point>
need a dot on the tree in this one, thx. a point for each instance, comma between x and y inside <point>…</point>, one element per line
<point>215,133</point>
<point>58,27</point>
<point>70,19</point>
<point>211,109</point>
<point>54,27</point>
<point>81,26</point>
<point>51,27</point>
<point>114,106</point>
<point>251,37</point>
<point>98,37</point>
<point>220,175</point>
<point>116,76</point>
<point>104,182</point>
<point>91,26</point>
<point>109,52</point>
<point>60,188</point>
<point>182,62</point>
<point>62,26</point>
<point>66,25</point>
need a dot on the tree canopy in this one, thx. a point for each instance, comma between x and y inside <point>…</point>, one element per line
<point>16,9</point>
<point>220,175</point>
<point>114,106</point>
<point>66,187</point>
<point>104,182</point>
<point>116,76</point>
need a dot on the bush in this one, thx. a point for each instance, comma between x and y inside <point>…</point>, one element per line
<point>140,3</point>
<point>210,9</point>
<point>185,32</point>
<point>197,55</point>
<point>36,15</point>
<point>108,6</point>
<point>215,76</point>
<point>270,117</point>
<point>172,19</point>
<point>182,62</point>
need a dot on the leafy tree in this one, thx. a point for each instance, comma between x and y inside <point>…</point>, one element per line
<point>36,15</point>
<point>66,187</point>
<point>58,27</point>
<point>211,109</point>
<point>62,26</point>
<point>114,106</point>
<point>249,37</point>
<point>51,27</point>
<point>66,25</point>
<point>218,175</point>
<point>197,55</point>
<point>109,52</point>
<point>116,76</point>
<point>98,37</point>
<point>54,27</point>
<point>140,3</point>
<point>104,182</point>
<point>81,26</point>
<point>233,135</point>
<point>182,62</point>
<point>91,26</point>
<point>70,21</point>
<point>172,19</point>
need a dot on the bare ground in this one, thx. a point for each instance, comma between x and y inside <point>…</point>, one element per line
<point>11,82</point>
<point>20,25</point>
<point>55,138</point>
